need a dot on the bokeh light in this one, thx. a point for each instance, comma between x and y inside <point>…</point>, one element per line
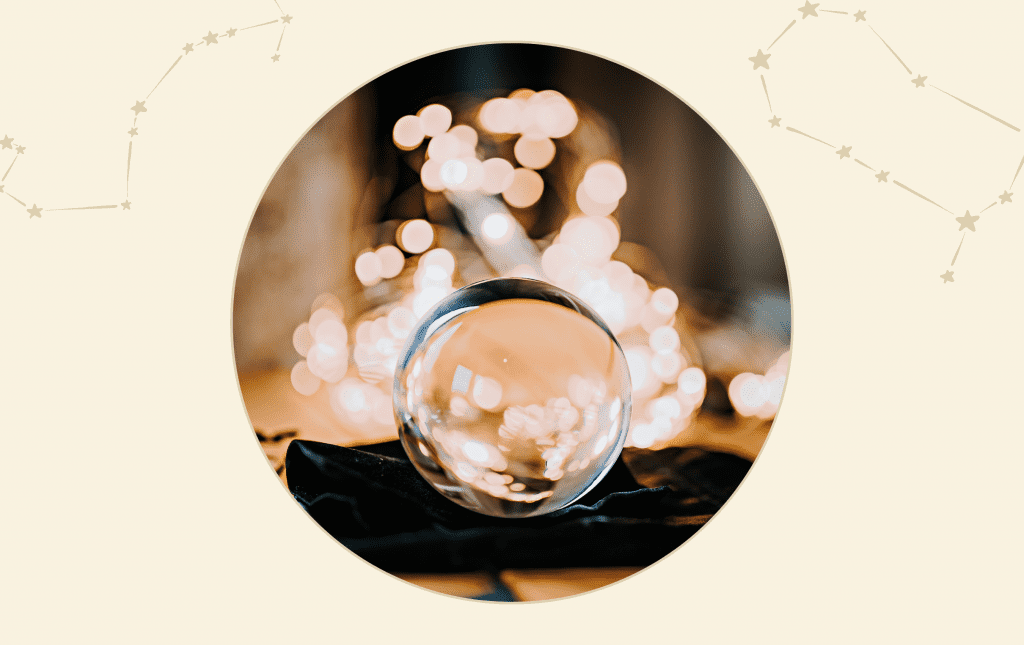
<point>525,189</point>
<point>415,236</point>
<point>408,132</point>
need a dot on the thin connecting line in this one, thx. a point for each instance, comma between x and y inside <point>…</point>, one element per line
<point>9,169</point>
<point>958,250</point>
<point>911,190</point>
<point>988,207</point>
<point>14,198</point>
<point>810,137</point>
<point>782,34</point>
<point>162,78</point>
<point>81,208</point>
<point>763,84</point>
<point>861,162</point>
<point>281,38</point>
<point>1018,171</point>
<point>992,116</point>
<point>262,24</point>
<point>890,49</point>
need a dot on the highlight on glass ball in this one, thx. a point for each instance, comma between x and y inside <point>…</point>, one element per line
<point>511,322</point>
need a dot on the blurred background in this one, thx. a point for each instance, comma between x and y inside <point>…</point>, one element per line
<point>691,221</point>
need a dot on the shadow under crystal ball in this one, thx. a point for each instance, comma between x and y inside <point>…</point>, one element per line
<point>512,397</point>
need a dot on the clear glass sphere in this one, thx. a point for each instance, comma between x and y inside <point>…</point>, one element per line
<point>512,397</point>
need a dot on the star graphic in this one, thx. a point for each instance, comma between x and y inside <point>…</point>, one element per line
<point>133,131</point>
<point>808,9</point>
<point>844,152</point>
<point>860,16</point>
<point>760,60</point>
<point>947,277</point>
<point>883,176</point>
<point>126,205</point>
<point>231,32</point>
<point>1005,197</point>
<point>21,150</point>
<point>1,189</point>
<point>35,211</point>
<point>919,81</point>
<point>6,141</point>
<point>275,57</point>
<point>775,121</point>
<point>140,106</point>
<point>967,221</point>
<point>188,49</point>
<point>210,38</point>
<point>286,19</point>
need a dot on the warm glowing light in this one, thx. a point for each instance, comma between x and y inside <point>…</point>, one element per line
<point>303,380</point>
<point>692,381</point>
<point>368,268</point>
<point>487,392</point>
<point>664,340</point>
<point>747,393</point>
<point>667,366</point>
<point>497,228</point>
<point>435,119</point>
<point>665,406</point>
<point>476,451</point>
<point>523,271</point>
<point>426,299</point>
<point>443,147</point>
<point>468,137</point>
<point>556,259</point>
<point>499,115</point>
<point>525,189</point>
<point>593,238</point>
<point>553,113</point>
<point>383,409</point>
<point>319,316</point>
<point>665,302</point>
<point>391,261</point>
<point>331,332</point>
<point>453,173</point>
<point>408,132</point>
<point>364,333</point>
<point>643,435</point>
<point>302,340</point>
<point>416,236</point>
<point>441,258</point>
<point>590,207</point>
<point>638,359</point>
<point>328,301</point>
<point>430,175</point>
<point>534,152</point>
<point>401,320</point>
<point>604,182</point>
<point>329,362</point>
<point>498,175</point>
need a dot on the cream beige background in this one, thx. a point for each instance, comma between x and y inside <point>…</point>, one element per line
<point>137,505</point>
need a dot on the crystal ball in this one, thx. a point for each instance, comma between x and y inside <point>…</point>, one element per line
<point>512,397</point>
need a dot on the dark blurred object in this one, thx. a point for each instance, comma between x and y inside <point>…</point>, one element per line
<point>374,502</point>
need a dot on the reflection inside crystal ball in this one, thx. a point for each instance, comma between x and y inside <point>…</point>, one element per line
<point>512,397</point>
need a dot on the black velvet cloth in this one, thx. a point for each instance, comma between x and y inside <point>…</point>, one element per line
<point>374,502</point>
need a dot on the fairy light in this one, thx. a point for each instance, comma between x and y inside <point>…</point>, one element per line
<point>666,389</point>
<point>368,268</point>
<point>590,207</point>
<point>498,176</point>
<point>408,132</point>
<point>500,115</point>
<point>468,139</point>
<point>444,147</point>
<point>534,152</point>
<point>497,228</point>
<point>302,340</point>
<point>525,189</point>
<point>415,236</point>
<point>391,261</point>
<point>435,119</point>
<point>303,380</point>
<point>604,182</point>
